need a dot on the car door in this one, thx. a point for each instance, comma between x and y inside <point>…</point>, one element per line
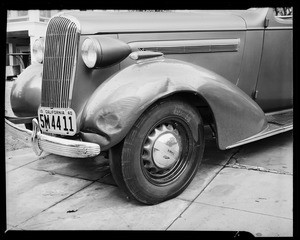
<point>274,89</point>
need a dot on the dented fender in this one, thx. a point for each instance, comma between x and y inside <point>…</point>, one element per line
<point>116,104</point>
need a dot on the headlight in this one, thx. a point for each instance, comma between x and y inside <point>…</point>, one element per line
<point>90,52</point>
<point>38,50</point>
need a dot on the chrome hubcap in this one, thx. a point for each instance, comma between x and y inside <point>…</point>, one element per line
<point>162,149</point>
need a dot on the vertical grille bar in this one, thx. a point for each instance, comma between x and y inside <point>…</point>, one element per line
<point>61,45</point>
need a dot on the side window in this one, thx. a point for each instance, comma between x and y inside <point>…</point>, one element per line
<point>284,12</point>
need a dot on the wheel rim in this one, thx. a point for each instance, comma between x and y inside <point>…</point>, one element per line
<point>165,151</point>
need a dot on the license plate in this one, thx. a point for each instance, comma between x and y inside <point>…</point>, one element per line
<point>57,120</point>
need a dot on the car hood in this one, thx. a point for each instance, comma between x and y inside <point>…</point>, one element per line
<point>93,22</point>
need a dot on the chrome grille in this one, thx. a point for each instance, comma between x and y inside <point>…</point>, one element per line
<point>61,43</point>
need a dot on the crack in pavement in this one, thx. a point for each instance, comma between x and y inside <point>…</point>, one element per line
<point>243,210</point>
<point>192,201</point>
<point>255,168</point>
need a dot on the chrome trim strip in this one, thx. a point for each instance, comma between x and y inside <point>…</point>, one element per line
<point>279,28</point>
<point>140,55</point>
<point>129,31</point>
<point>76,49</point>
<point>41,142</point>
<point>261,135</point>
<point>279,112</point>
<point>72,19</point>
<point>62,65</point>
<point>268,28</point>
<point>188,46</point>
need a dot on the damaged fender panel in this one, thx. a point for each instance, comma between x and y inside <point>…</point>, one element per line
<point>117,103</point>
<point>26,91</point>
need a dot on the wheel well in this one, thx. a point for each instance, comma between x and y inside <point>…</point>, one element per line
<point>201,105</point>
<point>199,102</point>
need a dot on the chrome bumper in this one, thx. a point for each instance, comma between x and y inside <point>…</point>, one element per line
<point>41,142</point>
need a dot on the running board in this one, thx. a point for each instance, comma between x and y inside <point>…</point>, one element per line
<point>277,123</point>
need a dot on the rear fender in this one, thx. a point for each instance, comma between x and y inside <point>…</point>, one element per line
<point>116,104</point>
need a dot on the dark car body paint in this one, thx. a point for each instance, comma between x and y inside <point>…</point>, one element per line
<point>108,100</point>
<point>275,79</point>
<point>141,22</point>
<point>25,95</point>
<point>119,101</point>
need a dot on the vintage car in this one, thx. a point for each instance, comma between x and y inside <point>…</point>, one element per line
<point>139,87</point>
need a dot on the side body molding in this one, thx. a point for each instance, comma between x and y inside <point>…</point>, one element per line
<point>116,104</point>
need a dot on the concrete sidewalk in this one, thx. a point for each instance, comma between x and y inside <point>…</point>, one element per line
<point>249,188</point>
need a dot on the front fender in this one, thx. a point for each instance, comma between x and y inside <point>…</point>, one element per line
<point>25,95</point>
<point>116,104</point>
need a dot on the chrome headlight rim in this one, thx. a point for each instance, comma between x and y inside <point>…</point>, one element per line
<point>91,52</point>
<point>38,49</point>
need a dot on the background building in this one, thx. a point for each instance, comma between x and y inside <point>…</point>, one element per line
<point>23,28</point>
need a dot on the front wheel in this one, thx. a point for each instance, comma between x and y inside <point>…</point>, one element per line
<point>160,155</point>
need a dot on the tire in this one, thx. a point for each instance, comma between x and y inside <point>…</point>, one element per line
<point>160,155</point>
